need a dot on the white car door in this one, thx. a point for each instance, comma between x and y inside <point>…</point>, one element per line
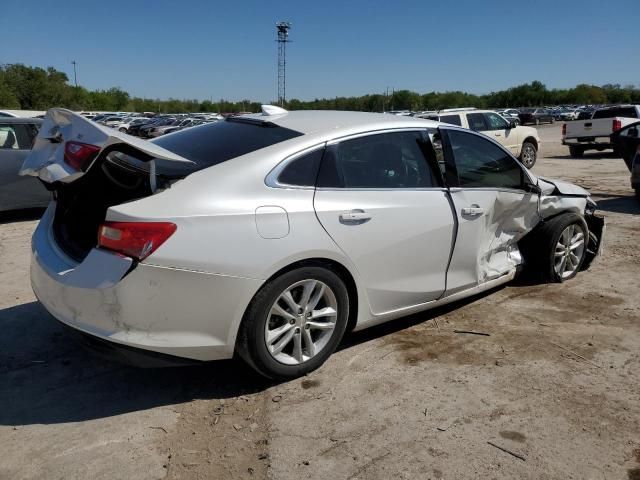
<point>381,203</point>
<point>494,205</point>
<point>503,133</point>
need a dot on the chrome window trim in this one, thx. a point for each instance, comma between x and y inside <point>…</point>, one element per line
<point>408,189</point>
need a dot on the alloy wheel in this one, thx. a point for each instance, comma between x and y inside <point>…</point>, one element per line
<point>528,156</point>
<point>301,322</point>
<point>569,251</point>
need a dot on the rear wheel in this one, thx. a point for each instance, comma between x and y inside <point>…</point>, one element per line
<point>638,193</point>
<point>294,323</point>
<point>576,152</point>
<point>529,154</point>
<point>558,247</point>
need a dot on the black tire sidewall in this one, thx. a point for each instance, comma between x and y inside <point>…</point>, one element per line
<point>551,231</point>
<point>252,347</point>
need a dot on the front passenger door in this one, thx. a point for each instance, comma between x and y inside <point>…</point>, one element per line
<point>494,209</point>
<point>502,132</point>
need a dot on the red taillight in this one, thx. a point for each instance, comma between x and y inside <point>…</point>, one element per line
<point>617,124</point>
<point>134,239</point>
<point>564,129</point>
<point>79,155</point>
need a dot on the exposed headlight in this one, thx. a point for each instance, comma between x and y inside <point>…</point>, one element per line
<point>591,207</point>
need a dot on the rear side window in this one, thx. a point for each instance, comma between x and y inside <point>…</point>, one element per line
<point>451,119</point>
<point>629,112</point>
<point>302,171</point>
<point>389,160</point>
<point>214,143</point>
<point>477,122</point>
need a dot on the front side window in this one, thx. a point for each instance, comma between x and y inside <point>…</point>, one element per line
<point>496,122</point>
<point>479,163</point>
<point>388,160</point>
<point>477,122</point>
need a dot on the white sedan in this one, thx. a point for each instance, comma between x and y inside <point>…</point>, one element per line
<point>270,235</point>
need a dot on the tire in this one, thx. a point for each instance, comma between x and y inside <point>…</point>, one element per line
<point>542,247</point>
<point>553,120</point>
<point>123,130</point>
<point>576,152</point>
<point>259,318</point>
<point>528,154</point>
<point>638,193</point>
<point>537,121</point>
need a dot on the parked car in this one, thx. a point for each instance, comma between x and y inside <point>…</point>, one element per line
<point>16,139</point>
<point>510,115</point>
<point>627,142</point>
<point>535,116</point>
<point>128,123</point>
<point>145,130</point>
<point>584,114</point>
<point>163,129</point>
<point>595,133</point>
<point>522,142</point>
<point>285,230</point>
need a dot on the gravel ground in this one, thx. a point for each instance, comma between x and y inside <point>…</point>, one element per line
<point>553,388</point>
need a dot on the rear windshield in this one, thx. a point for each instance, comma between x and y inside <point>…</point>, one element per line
<point>629,112</point>
<point>214,143</point>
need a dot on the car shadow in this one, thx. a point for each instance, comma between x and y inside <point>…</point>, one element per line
<point>604,155</point>
<point>21,215</point>
<point>617,203</point>
<point>48,378</point>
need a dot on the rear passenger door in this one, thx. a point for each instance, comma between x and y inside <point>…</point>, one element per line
<point>387,210</point>
<point>494,209</point>
<point>16,140</point>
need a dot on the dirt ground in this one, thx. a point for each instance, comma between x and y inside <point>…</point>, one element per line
<point>555,383</point>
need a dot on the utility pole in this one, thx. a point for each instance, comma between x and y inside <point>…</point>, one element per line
<point>283,39</point>
<point>75,76</point>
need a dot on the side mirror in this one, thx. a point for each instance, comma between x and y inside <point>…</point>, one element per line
<point>530,187</point>
<point>512,124</point>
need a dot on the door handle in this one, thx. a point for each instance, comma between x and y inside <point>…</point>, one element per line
<point>472,211</point>
<point>354,217</point>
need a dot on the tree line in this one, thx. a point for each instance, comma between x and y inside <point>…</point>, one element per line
<point>34,88</point>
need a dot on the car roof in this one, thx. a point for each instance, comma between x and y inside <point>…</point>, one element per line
<point>324,121</point>
<point>16,120</point>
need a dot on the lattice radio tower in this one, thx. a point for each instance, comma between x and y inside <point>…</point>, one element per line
<point>283,39</point>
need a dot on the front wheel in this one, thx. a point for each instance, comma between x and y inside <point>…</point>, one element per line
<point>558,247</point>
<point>294,323</point>
<point>528,155</point>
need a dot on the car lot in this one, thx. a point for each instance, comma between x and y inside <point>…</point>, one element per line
<point>554,382</point>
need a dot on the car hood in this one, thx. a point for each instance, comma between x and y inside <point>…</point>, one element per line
<point>551,186</point>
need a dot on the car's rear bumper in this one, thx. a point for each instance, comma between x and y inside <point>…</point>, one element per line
<point>171,311</point>
<point>588,142</point>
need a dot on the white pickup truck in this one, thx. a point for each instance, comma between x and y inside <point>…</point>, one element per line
<point>594,134</point>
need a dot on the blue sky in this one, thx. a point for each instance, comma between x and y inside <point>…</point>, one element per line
<point>209,49</point>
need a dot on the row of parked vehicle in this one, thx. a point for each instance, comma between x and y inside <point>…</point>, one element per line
<point>151,127</point>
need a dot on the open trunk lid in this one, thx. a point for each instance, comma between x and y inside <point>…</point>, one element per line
<point>47,158</point>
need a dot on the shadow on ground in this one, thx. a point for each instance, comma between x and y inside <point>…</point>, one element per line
<point>21,215</point>
<point>617,203</point>
<point>48,377</point>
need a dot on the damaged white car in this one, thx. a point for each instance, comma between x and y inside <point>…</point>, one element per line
<point>270,235</point>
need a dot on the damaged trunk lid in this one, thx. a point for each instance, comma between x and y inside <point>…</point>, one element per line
<point>68,146</point>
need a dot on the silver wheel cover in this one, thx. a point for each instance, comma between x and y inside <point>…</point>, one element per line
<point>569,250</point>
<point>301,322</point>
